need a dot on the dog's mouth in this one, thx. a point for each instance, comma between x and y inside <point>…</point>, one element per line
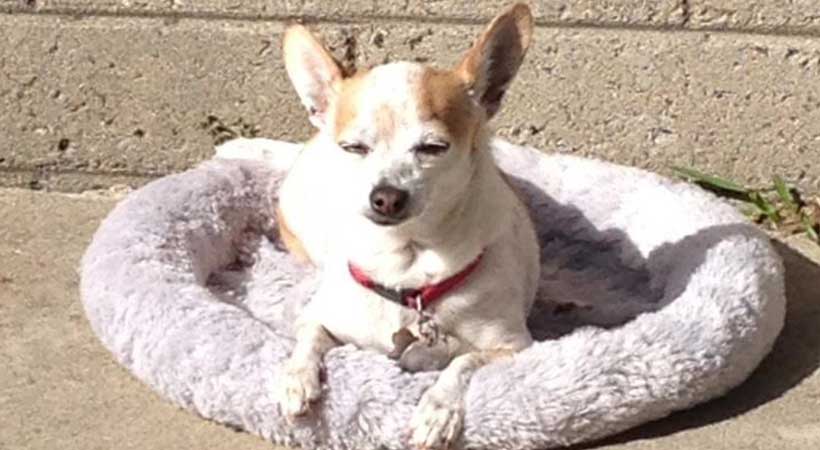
<point>385,221</point>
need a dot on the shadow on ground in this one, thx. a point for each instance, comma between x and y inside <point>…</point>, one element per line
<point>795,356</point>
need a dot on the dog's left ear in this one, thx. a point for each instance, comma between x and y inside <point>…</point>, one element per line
<point>491,64</point>
<point>312,71</point>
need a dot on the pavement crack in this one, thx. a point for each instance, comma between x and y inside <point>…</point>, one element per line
<point>686,12</point>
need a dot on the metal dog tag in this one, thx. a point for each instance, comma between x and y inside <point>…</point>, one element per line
<point>401,340</point>
<point>427,327</point>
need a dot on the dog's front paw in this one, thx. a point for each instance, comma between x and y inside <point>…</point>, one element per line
<point>436,422</point>
<point>299,388</point>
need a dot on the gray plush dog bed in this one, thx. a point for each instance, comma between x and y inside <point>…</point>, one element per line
<point>655,296</point>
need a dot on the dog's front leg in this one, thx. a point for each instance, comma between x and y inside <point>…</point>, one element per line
<point>300,383</point>
<point>438,418</point>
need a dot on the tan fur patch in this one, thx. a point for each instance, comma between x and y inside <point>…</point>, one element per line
<point>349,92</point>
<point>292,243</point>
<point>443,97</point>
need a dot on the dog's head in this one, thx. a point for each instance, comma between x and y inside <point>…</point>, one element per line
<point>409,132</point>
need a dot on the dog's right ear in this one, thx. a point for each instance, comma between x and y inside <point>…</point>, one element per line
<point>312,71</point>
<point>490,65</point>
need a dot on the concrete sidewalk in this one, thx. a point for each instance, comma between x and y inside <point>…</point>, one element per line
<point>60,389</point>
<point>99,92</point>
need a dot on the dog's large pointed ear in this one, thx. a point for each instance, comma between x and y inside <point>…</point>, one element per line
<point>491,64</point>
<point>312,71</point>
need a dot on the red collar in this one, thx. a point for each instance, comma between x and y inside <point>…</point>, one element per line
<point>410,297</point>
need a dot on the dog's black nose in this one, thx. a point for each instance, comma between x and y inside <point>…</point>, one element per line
<point>389,201</point>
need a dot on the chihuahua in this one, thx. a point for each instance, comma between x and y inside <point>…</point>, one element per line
<point>426,252</point>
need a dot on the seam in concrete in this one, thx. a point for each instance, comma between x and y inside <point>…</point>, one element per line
<point>40,171</point>
<point>106,194</point>
<point>682,27</point>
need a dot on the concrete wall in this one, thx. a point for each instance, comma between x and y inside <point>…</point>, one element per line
<point>101,92</point>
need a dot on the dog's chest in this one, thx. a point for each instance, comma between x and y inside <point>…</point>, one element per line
<point>361,317</point>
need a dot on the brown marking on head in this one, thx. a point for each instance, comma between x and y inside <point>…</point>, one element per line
<point>443,97</point>
<point>348,96</point>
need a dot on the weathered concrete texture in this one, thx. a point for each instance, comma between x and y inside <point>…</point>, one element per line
<point>59,389</point>
<point>609,12</point>
<point>140,97</point>
<point>145,97</point>
<point>790,16</point>
<point>741,106</point>
<point>67,180</point>
<point>785,16</point>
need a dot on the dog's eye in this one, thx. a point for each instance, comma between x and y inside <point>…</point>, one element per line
<point>432,148</point>
<point>355,147</point>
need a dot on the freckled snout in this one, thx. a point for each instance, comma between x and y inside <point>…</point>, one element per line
<point>388,204</point>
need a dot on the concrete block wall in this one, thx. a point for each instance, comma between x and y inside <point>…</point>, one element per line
<point>95,93</point>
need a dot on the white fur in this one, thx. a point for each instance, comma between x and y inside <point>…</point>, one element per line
<point>278,154</point>
<point>460,208</point>
<point>487,313</point>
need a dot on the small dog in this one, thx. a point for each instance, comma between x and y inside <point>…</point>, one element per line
<point>426,252</point>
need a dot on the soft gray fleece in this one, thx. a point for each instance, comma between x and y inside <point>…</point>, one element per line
<point>683,298</point>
